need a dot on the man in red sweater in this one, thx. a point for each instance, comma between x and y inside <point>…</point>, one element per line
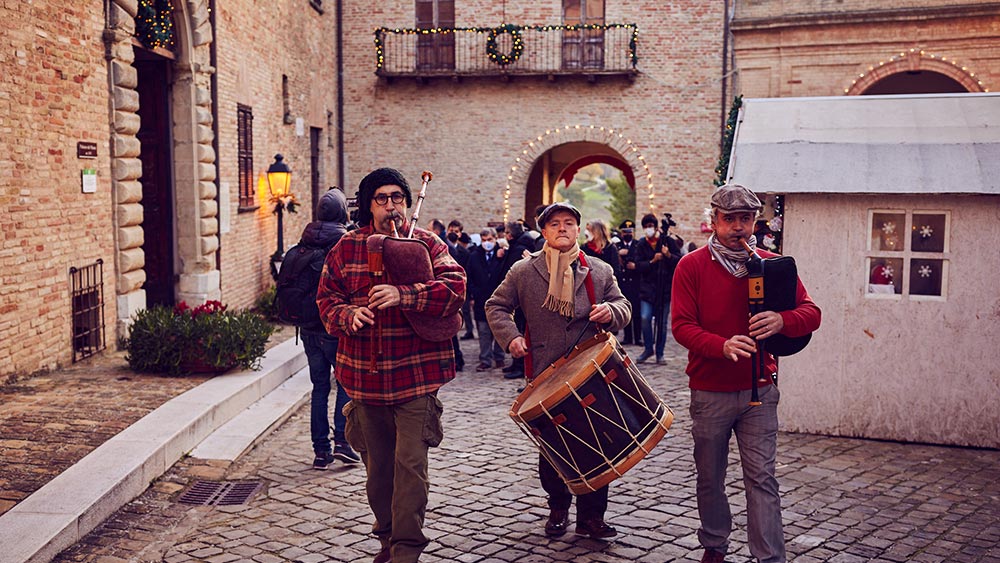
<point>711,318</point>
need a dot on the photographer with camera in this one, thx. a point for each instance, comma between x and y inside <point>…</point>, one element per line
<point>654,258</point>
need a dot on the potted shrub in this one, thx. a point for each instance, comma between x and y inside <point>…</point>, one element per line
<point>206,339</point>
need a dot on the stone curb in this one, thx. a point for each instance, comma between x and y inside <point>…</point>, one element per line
<point>63,511</point>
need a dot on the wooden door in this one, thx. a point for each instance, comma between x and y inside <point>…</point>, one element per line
<point>156,154</point>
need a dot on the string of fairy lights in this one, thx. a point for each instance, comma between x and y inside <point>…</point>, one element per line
<point>494,33</point>
<point>918,53</point>
<point>615,139</point>
<point>154,26</point>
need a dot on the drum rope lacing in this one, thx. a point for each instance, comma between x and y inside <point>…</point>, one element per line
<point>563,432</point>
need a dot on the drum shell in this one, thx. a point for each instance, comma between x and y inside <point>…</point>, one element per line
<point>592,425</point>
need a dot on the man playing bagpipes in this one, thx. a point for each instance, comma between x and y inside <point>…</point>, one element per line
<point>727,361</point>
<point>391,370</point>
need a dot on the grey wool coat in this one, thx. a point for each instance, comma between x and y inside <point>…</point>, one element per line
<point>551,335</point>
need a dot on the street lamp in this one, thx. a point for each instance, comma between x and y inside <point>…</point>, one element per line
<point>279,179</point>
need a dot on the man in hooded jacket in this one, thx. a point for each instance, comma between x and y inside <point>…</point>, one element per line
<point>321,348</point>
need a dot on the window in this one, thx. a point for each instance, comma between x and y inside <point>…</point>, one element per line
<point>583,48</point>
<point>244,155</point>
<point>435,51</point>
<point>908,253</point>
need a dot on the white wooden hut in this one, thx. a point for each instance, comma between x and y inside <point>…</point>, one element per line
<point>891,208</point>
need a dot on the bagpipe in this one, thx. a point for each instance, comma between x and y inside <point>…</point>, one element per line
<point>406,260</point>
<point>773,283</point>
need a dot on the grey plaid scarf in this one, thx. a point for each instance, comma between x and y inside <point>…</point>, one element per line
<point>734,261</point>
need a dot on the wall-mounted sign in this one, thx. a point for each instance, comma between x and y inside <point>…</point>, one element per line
<point>89,180</point>
<point>86,149</point>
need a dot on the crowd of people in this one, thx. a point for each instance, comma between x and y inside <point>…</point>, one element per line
<point>527,294</point>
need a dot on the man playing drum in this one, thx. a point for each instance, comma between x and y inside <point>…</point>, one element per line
<point>394,415</point>
<point>711,318</point>
<point>551,287</point>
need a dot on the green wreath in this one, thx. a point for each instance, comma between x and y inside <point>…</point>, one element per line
<point>504,59</point>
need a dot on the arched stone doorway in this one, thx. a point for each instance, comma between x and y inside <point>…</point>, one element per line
<point>552,154</point>
<point>552,179</point>
<point>193,275</point>
<point>916,72</point>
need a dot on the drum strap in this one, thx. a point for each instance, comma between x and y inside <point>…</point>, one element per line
<point>589,283</point>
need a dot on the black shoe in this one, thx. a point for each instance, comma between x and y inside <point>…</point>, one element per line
<point>511,368</point>
<point>344,453</point>
<point>513,375</point>
<point>712,556</point>
<point>322,460</point>
<point>557,524</point>
<point>383,556</point>
<point>596,529</point>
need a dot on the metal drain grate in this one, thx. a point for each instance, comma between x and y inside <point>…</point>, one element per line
<point>207,493</point>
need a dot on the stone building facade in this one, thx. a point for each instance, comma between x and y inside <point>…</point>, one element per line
<point>845,47</point>
<point>157,128</point>
<point>175,212</point>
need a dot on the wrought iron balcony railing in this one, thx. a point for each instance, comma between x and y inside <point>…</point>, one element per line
<point>550,50</point>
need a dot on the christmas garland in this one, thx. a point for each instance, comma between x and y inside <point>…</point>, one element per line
<point>516,49</point>
<point>154,26</point>
<point>727,142</point>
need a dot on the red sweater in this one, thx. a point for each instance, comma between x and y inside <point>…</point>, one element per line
<point>708,306</point>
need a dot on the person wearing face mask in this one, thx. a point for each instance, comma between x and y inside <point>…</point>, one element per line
<point>629,280</point>
<point>655,257</point>
<point>485,266</point>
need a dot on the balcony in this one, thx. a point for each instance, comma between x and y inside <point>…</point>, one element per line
<point>509,50</point>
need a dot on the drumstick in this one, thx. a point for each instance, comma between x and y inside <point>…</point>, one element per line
<point>578,338</point>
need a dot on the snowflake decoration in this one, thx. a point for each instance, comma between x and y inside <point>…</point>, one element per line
<point>888,227</point>
<point>925,271</point>
<point>887,271</point>
<point>926,231</point>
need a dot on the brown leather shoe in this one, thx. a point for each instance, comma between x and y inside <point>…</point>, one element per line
<point>383,556</point>
<point>712,556</point>
<point>557,524</point>
<point>596,529</point>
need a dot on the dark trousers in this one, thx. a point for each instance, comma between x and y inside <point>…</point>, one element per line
<point>321,353</point>
<point>590,505</point>
<point>633,331</point>
<point>459,358</point>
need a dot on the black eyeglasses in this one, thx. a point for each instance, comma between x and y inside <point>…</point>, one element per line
<point>396,197</point>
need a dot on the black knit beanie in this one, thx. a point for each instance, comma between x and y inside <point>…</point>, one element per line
<point>373,181</point>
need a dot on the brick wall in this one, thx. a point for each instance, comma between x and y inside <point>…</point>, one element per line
<point>816,54</point>
<point>257,43</point>
<point>469,132</point>
<point>53,94</point>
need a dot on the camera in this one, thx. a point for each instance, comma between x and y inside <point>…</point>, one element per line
<point>666,223</point>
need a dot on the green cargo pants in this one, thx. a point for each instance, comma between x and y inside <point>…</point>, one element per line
<point>393,442</point>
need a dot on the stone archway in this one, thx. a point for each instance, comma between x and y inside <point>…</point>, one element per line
<point>914,60</point>
<point>194,188</point>
<point>537,146</point>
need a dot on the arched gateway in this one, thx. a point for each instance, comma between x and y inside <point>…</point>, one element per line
<point>534,173</point>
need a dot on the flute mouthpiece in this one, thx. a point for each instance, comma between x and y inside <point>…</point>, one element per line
<point>426,176</point>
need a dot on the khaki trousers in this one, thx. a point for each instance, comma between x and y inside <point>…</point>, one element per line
<point>393,442</point>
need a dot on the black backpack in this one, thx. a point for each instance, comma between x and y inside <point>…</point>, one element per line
<point>298,279</point>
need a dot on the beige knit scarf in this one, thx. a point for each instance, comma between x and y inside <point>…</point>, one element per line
<point>559,298</point>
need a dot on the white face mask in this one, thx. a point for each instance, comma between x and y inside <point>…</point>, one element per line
<point>488,245</point>
<point>588,236</point>
<point>650,231</point>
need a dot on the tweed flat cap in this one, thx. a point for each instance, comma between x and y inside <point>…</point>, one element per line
<point>556,207</point>
<point>730,198</point>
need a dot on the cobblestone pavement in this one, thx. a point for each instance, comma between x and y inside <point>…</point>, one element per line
<point>845,500</point>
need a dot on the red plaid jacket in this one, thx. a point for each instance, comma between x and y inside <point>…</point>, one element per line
<point>408,366</point>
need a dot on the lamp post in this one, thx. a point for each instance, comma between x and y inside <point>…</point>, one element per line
<point>279,178</point>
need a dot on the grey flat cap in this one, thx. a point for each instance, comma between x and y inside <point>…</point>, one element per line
<point>555,207</point>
